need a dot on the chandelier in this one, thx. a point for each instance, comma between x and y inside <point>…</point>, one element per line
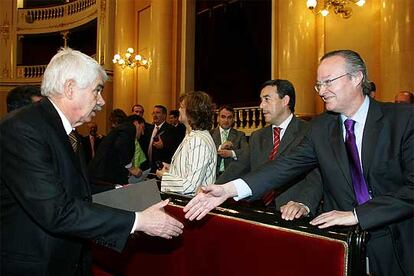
<point>129,60</point>
<point>341,7</point>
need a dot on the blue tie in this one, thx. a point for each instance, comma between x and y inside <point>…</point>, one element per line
<point>358,181</point>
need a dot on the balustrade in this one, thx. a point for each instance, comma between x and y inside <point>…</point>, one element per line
<point>30,72</point>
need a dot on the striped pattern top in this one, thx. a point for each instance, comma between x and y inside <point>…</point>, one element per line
<point>193,164</point>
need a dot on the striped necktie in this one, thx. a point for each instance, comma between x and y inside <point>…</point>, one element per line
<point>276,143</point>
<point>224,136</point>
<point>74,141</point>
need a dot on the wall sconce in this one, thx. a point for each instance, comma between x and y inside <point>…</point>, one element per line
<point>129,60</point>
<point>340,7</point>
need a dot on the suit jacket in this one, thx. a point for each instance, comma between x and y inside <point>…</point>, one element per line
<point>86,143</point>
<point>46,210</point>
<point>114,153</point>
<point>170,143</point>
<point>308,188</point>
<point>239,141</point>
<point>388,166</point>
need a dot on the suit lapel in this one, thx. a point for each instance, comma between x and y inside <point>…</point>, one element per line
<point>338,147</point>
<point>217,137</point>
<point>372,130</point>
<point>289,135</point>
<point>54,119</point>
<point>267,140</point>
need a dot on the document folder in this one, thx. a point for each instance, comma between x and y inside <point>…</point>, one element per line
<point>132,197</point>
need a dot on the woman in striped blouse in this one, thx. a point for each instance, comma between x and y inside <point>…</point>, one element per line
<point>194,162</point>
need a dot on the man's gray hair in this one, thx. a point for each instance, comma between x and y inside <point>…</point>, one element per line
<point>69,64</point>
<point>353,64</point>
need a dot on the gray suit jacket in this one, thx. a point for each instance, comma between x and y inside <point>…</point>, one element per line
<point>388,166</point>
<point>239,141</point>
<point>309,186</point>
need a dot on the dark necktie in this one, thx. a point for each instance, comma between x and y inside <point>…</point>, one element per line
<point>269,197</point>
<point>74,141</point>
<point>358,181</point>
<point>276,143</point>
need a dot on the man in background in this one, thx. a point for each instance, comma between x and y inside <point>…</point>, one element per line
<point>21,96</point>
<point>282,134</point>
<point>91,141</point>
<point>230,143</point>
<point>173,119</point>
<point>404,97</point>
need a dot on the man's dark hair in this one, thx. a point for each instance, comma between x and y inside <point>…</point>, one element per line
<point>226,107</point>
<point>21,96</point>
<point>117,116</point>
<point>163,108</point>
<point>353,64</point>
<point>135,118</point>
<point>198,109</point>
<point>132,109</point>
<point>175,113</point>
<point>283,88</point>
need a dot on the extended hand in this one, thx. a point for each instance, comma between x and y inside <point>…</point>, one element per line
<point>165,168</point>
<point>207,199</point>
<point>154,221</point>
<point>335,218</point>
<point>293,210</point>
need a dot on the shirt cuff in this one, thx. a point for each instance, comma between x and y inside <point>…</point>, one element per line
<point>134,227</point>
<point>355,215</point>
<point>233,155</point>
<point>128,166</point>
<point>306,208</point>
<point>243,190</point>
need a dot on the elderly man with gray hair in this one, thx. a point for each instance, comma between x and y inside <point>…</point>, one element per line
<point>46,210</point>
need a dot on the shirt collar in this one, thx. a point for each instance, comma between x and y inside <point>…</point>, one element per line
<point>285,123</point>
<point>225,130</point>
<point>361,115</point>
<point>66,124</point>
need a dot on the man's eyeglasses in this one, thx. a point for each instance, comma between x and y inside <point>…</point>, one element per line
<point>327,83</point>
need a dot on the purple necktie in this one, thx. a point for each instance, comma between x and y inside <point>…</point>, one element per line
<point>358,181</point>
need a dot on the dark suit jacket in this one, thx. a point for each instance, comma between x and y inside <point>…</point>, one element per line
<point>309,187</point>
<point>239,141</point>
<point>46,210</point>
<point>388,166</point>
<point>170,142</point>
<point>114,153</point>
<point>87,147</point>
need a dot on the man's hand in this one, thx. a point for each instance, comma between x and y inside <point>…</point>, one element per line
<point>227,145</point>
<point>225,153</point>
<point>335,218</point>
<point>154,221</point>
<point>158,144</point>
<point>293,210</point>
<point>135,171</point>
<point>207,199</point>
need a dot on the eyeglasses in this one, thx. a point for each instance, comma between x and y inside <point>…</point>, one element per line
<point>327,83</point>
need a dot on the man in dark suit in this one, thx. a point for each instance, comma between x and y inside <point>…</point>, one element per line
<point>112,161</point>
<point>163,141</point>
<point>365,151</point>
<point>173,119</point>
<point>47,215</point>
<point>230,143</point>
<point>91,142</point>
<point>278,100</point>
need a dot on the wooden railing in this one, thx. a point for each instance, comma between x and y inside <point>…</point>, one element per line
<point>30,72</point>
<point>37,14</point>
